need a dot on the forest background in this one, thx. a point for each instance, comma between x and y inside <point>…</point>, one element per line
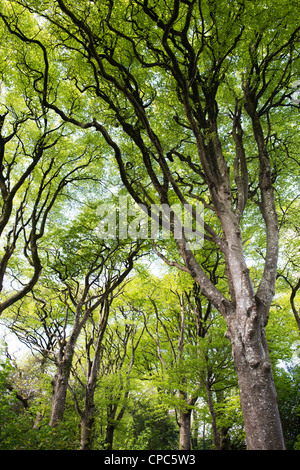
<point>133,342</point>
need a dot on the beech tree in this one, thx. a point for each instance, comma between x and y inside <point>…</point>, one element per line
<point>188,96</point>
<point>82,274</point>
<point>38,164</point>
<point>101,363</point>
<point>288,269</point>
<point>175,331</point>
<point>195,361</point>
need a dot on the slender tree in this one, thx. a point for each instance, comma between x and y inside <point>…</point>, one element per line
<point>109,350</point>
<point>98,282</point>
<point>175,332</point>
<point>83,272</point>
<point>37,166</point>
<point>93,352</point>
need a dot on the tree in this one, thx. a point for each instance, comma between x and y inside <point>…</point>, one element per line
<point>288,270</point>
<point>152,428</point>
<point>195,361</point>
<point>93,342</point>
<point>105,354</point>
<point>175,331</point>
<point>116,372</point>
<point>37,165</point>
<point>189,94</point>
<point>287,381</point>
<point>23,427</point>
<point>83,272</point>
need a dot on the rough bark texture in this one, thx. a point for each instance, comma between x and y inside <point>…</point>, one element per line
<point>60,388</point>
<point>67,347</point>
<point>257,390</point>
<point>185,430</point>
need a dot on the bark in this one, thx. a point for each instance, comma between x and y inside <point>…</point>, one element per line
<point>246,316</point>
<point>223,430</point>
<point>87,422</point>
<point>113,419</point>
<point>221,440</point>
<point>195,430</point>
<point>23,400</point>
<point>87,415</point>
<point>110,429</point>
<point>216,434</point>
<point>185,430</point>
<point>64,364</point>
<point>246,331</point>
<point>250,311</point>
<point>256,384</point>
<point>292,301</point>
<point>37,421</point>
<point>60,387</point>
<point>184,422</point>
<point>58,399</point>
<point>93,366</point>
<point>66,352</point>
<point>85,427</point>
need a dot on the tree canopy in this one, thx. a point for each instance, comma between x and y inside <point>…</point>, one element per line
<point>112,106</point>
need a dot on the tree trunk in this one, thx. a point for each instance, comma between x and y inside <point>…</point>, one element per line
<point>60,387</point>
<point>223,430</point>
<point>216,434</point>
<point>195,430</point>
<point>111,426</point>
<point>256,384</point>
<point>87,417</point>
<point>197,94</point>
<point>37,421</point>
<point>109,438</point>
<point>185,430</point>
<point>86,427</point>
<point>64,364</point>
<point>61,381</point>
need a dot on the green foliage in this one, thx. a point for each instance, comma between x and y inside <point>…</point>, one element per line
<point>230,418</point>
<point>151,427</point>
<point>17,431</point>
<point>102,99</point>
<point>288,388</point>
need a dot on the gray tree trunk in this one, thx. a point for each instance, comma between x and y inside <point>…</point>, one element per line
<point>185,430</point>
<point>60,387</point>
<point>215,431</point>
<point>257,390</point>
<point>86,427</point>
